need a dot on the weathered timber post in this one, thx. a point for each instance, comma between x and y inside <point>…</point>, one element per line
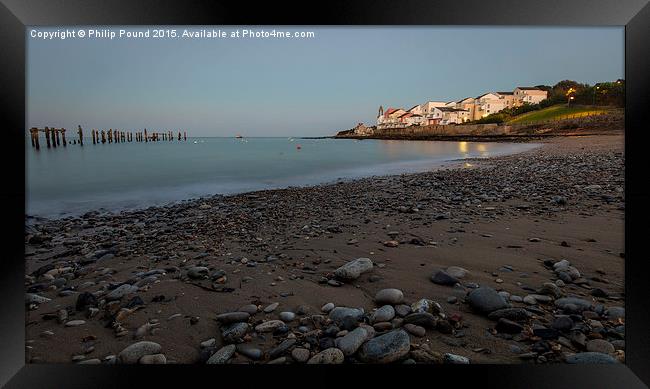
<point>123,136</point>
<point>179,135</point>
<point>47,137</point>
<point>65,144</point>
<point>81,135</point>
<point>94,136</point>
<point>31,135</point>
<point>36,139</point>
<point>53,135</point>
<point>185,135</point>
<point>110,135</point>
<point>57,137</point>
<point>146,138</point>
<point>103,136</point>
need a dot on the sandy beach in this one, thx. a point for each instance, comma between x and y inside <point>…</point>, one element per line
<point>97,284</point>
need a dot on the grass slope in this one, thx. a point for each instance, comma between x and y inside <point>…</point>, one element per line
<point>556,112</point>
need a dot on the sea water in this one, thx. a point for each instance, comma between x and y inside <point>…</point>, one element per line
<point>72,180</point>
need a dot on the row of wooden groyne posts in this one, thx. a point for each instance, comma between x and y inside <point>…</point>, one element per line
<point>54,137</point>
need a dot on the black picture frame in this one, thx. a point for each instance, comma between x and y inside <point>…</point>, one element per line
<point>16,14</point>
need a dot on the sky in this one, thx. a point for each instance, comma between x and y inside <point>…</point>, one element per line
<point>299,86</point>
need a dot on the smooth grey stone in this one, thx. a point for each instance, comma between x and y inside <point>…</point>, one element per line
<point>578,303</point>
<point>287,316</point>
<point>386,348</point>
<point>389,296</point>
<point>350,343</point>
<point>338,314</point>
<point>328,356</point>
<point>485,299</point>
<point>121,291</point>
<point>233,317</point>
<point>249,352</point>
<point>455,359</point>
<point>385,313</point>
<point>234,332</point>
<point>353,269</point>
<point>222,355</point>
<point>442,278</point>
<point>135,351</point>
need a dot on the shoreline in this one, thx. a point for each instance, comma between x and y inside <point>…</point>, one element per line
<point>434,166</point>
<point>506,221</point>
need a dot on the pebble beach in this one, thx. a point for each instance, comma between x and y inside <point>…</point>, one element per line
<point>510,259</point>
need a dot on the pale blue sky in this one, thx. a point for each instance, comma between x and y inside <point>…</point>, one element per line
<point>317,86</point>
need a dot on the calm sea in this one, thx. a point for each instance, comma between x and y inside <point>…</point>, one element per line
<point>71,180</point>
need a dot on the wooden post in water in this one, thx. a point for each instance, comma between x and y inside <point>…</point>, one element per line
<point>36,138</point>
<point>31,135</point>
<point>57,137</point>
<point>185,135</point>
<point>81,135</point>
<point>179,135</point>
<point>103,136</point>
<point>110,135</point>
<point>65,144</point>
<point>53,135</point>
<point>145,136</point>
<point>92,131</point>
<point>47,137</point>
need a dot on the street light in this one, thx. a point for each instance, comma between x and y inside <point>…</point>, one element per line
<point>568,93</point>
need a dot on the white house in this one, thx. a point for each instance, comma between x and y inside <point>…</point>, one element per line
<point>487,104</point>
<point>530,95</point>
<point>450,115</point>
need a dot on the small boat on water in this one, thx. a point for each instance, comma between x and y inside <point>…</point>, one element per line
<point>238,136</point>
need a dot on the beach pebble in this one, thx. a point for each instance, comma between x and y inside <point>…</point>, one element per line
<point>269,326</point>
<point>234,332</point>
<point>327,307</point>
<point>353,269</point>
<point>339,314</point>
<point>389,296</point>
<point>222,355</point>
<point>75,323</point>
<point>287,316</point>
<point>402,310</point>
<point>350,343</point>
<point>386,348</point>
<point>250,352</point>
<point>485,299</point>
<point>600,346</point>
<point>455,359</point>
<point>440,277</point>
<point>233,317</point>
<point>271,307</point>
<point>300,354</point>
<point>121,291</point>
<point>456,272</point>
<point>251,309</point>
<point>135,351</point>
<point>328,356</point>
<point>385,313</point>
<point>154,359</point>
<point>31,298</point>
<point>415,329</point>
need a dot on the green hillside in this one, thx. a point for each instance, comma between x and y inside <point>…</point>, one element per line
<point>557,112</point>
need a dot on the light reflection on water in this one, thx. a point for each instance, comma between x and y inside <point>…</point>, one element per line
<point>73,180</point>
